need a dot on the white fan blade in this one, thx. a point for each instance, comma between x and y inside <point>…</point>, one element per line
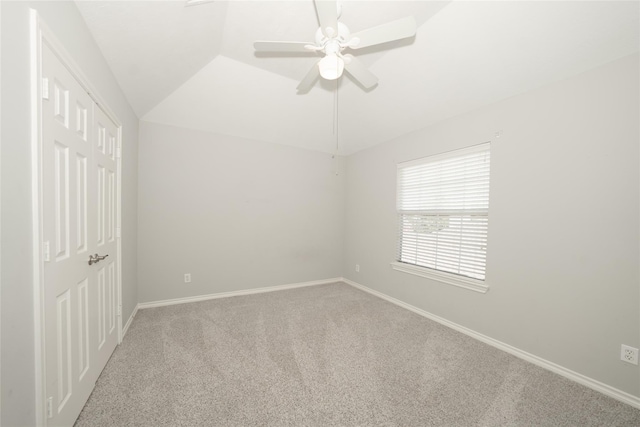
<point>394,30</point>
<point>328,16</point>
<point>265,46</point>
<point>308,81</point>
<point>359,72</point>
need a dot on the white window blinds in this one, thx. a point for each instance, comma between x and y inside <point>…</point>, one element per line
<point>443,210</point>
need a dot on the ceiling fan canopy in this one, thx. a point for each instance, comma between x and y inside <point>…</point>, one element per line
<point>332,38</point>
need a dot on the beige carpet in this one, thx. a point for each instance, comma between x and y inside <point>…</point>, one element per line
<point>326,355</point>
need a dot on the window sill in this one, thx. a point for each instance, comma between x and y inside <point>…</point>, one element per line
<point>450,279</point>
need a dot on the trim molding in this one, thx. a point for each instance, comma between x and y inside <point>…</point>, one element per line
<point>441,276</point>
<point>605,389</point>
<point>126,326</point>
<point>198,298</point>
<point>35,46</point>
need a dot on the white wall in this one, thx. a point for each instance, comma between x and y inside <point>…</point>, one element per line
<point>17,358</point>
<point>235,213</point>
<point>563,256</point>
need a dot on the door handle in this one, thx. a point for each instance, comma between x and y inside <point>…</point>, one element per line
<point>93,259</point>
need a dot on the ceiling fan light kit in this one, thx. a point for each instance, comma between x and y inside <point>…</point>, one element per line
<point>333,37</point>
<point>331,66</point>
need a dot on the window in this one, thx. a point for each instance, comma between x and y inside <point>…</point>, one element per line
<point>443,213</point>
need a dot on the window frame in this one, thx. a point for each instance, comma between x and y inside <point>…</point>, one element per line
<point>454,279</point>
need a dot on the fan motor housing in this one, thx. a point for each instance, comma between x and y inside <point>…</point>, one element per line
<point>341,37</point>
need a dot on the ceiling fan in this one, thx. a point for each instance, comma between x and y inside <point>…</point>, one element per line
<point>332,38</point>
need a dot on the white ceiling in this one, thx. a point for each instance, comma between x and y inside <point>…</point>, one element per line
<point>195,67</point>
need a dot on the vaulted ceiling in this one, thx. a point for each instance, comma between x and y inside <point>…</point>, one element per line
<point>195,67</point>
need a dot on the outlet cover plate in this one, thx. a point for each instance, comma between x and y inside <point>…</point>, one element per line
<point>629,354</point>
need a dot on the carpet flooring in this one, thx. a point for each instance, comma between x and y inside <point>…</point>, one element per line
<point>328,355</point>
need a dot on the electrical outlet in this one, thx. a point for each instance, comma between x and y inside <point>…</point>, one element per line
<point>187,278</point>
<point>357,268</point>
<point>629,354</point>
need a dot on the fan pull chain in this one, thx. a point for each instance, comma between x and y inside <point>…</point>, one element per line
<point>335,117</point>
<point>335,127</point>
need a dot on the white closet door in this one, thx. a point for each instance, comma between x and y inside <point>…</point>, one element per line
<point>79,197</point>
<point>105,172</point>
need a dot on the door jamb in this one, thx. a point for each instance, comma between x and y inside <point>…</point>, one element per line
<point>40,33</point>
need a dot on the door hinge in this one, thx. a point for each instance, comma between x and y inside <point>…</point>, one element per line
<point>50,407</point>
<point>45,88</point>
<point>46,251</point>
<point>117,232</point>
<point>119,310</point>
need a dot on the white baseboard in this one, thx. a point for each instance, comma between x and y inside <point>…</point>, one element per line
<point>174,301</point>
<point>126,326</point>
<point>543,363</point>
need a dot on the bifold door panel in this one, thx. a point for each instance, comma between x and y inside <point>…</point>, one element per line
<point>79,195</point>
